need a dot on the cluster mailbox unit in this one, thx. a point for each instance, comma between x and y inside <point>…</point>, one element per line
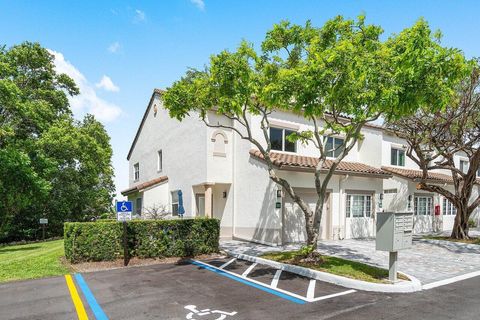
<point>394,232</point>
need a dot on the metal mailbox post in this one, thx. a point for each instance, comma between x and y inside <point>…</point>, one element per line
<point>394,232</point>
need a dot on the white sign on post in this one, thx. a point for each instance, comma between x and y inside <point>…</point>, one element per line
<point>43,221</point>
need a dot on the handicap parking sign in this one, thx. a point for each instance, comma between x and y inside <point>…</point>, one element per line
<point>124,210</point>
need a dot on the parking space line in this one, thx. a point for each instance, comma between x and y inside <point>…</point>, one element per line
<point>311,289</point>
<point>249,269</point>
<point>96,309</point>
<point>333,295</point>
<point>250,282</point>
<point>227,263</point>
<point>275,279</point>
<point>77,302</point>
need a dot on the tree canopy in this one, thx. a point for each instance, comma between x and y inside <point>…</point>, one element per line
<point>51,165</point>
<point>337,77</point>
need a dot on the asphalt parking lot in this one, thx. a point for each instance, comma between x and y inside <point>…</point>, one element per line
<point>203,291</point>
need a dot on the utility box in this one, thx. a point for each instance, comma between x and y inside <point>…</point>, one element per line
<point>394,231</point>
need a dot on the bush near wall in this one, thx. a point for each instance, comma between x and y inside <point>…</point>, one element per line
<point>102,240</point>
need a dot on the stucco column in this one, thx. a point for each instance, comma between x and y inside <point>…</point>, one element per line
<point>208,201</point>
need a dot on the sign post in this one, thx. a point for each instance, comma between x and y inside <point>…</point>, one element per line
<point>43,222</point>
<point>124,213</point>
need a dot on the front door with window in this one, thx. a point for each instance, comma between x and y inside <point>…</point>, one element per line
<point>359,212</point>
<point>200,205</point>
<point>423,214</point>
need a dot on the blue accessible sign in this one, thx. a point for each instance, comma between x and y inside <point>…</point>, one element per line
<point>124,210</point>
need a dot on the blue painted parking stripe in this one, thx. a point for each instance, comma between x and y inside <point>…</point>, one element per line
<point>96,309</point>
<point>249,283</point>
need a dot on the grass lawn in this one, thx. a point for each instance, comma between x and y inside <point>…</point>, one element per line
<point>469,241</point>
<point>338,266</point>
<point>35,260</point>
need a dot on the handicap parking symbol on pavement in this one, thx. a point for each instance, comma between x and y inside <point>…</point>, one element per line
<point>196,314</point>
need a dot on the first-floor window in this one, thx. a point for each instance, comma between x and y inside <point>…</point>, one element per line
<point>448,208</point>
<point>358,205</point>
<point>138,206</point>
<point>175,203</point>
<point>423,205</point>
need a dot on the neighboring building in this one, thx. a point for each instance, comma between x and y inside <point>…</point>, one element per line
<point>223,176</point>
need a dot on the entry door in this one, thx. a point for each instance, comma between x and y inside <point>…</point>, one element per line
<point>201,205</point>
<point>294,229</point>
<point>423,214</point>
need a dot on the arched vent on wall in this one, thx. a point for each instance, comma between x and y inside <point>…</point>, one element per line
<point>219,139</point>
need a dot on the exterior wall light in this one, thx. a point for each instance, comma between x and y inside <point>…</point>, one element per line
<point>224,194</point>
<point>279,193</point>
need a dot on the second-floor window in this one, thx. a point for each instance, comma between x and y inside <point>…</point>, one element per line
<point>397,157</point>
<point>136,171</point>
<point>159,160</point>
<point>279,141</point>
<point>464,166</point>
<point>334,147</point>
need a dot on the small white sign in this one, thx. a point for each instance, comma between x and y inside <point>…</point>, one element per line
<point>43,221</point>
<point>124,216</point>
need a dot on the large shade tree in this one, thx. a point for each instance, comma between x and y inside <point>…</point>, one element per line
<point>338,78</point>
<point>437,139</point>
<point>50,165</point>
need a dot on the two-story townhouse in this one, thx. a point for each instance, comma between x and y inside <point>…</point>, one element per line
<point>432,211</point>
<point>220,175</point>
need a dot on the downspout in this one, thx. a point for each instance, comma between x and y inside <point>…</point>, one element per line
<point>234,198</point>
<point>340,192</point>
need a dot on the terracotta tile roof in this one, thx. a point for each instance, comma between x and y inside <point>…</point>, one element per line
<point>284,160</point>
<point>145,185</point>
<point>413,174</point>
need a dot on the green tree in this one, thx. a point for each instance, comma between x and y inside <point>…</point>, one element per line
<point>436,138</point>
<point>338,77</point>
<point>47,160</point>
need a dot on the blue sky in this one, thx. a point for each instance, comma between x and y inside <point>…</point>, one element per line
<point>119,51</point>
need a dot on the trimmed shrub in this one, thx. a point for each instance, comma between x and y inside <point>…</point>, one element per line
<point>102,240</point>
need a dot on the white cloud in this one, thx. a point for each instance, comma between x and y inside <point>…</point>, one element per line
<point>107,84</point>
<point>113,48</point>
<point>200,4</point>
<point>87,101</point>
<point>139,16</point>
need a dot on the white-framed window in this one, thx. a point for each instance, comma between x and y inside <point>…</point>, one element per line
<point>138,206</point>
<point>279,141</point>
<point>448,208</point>
<point>175,202</point>
<point>423,206</point>
<point>334,146</point>
<point>464,166</point>
<point>159,160</point>
<point>397,157</point>
<point>136,171</point>
<point>358,205</point>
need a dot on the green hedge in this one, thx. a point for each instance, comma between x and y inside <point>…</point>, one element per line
<point>102,240</point>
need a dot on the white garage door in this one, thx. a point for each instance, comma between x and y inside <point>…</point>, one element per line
<point>294,218</point>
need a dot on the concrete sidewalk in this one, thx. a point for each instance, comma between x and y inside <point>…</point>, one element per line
<point>428,262</point>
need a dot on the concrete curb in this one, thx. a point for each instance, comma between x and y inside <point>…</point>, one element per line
<point>469,246</point>
<point>401,287</point>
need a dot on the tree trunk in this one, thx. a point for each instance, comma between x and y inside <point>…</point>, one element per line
<point>460,227</point>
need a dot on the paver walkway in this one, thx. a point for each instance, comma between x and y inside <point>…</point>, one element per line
<point>428,262</point>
